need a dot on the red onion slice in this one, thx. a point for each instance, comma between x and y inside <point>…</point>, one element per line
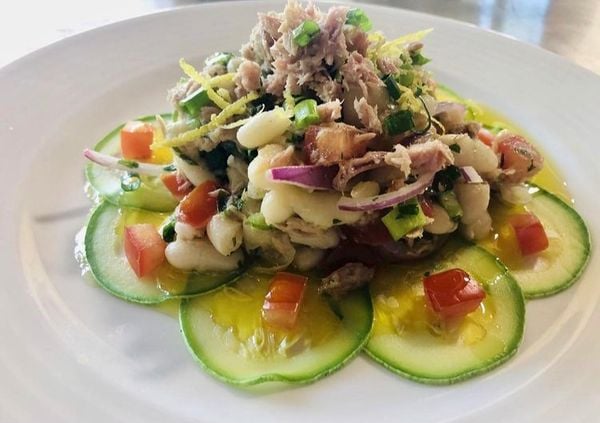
<point>121,164</point>
<point>470,174</point>
<point>309,176</point>
<point>389,199</point>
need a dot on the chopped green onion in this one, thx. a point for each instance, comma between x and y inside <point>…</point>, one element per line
<point>398,122</point>
<point>168,230</point>
<point>195,101</point>
<point>218,58</point>
<point>404,218</point>
<point>130,182</point>
<point>419,60</point>
<point>357,17</point>
<point>257,221</point>
<point>392,87</point>
<point>304,33</point>
<point>450,203</point>
<point>131,164</point>
<point>406,79</point>
<point>306,114</point>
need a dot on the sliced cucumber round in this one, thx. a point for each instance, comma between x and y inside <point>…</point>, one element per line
<point>151,195</point>
<point>408,340</point>
<point>109,266</point>
<point>562,263</point>
<point>227,336</point>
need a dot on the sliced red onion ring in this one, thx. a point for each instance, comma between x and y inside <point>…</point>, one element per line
<point>389,199</point>
<point>122,164</point>
<point>306,176</point>
<point>470,174</point>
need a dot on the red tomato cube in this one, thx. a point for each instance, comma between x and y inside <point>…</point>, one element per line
<point>144,248</point>
<point>136,138</point>
<point>452,294</point>
<point>177,184</point>
<point>530,233</point>
<point>198,206</point>
<point>283,300</point>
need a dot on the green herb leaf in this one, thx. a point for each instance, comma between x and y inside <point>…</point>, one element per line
<point>444,180</point>
<point>419,60</point>
<point>398,122</point>
<point>168,230</point>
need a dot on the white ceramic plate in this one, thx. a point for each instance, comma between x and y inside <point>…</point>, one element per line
<point>70,352</point>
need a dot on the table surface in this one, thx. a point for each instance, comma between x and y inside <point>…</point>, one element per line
<point>570,28</point>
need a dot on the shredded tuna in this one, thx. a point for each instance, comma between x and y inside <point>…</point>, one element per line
<point>356,40</point>
<point>286,157</point>
<point>450,115</point>
<point>347,278</point>
<point>181,91</point>
<point>330,111</point>
<point>304,233</point>
<point>367,115</point>
<point>349,169</point>
<point>430,156</point>
<point>247,76</point>
<point>399,158</point>
<point>360,71</point>
<point>388,65</point>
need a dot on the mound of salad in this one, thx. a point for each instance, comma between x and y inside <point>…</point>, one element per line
<point>321,163</point>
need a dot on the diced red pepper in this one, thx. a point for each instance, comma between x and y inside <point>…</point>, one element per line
<point>144,248</point>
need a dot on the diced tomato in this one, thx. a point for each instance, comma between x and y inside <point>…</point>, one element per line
<point>177,184</point>
<point>136,138</point>
<point>530,233</point>
<point>486,137</point>
<point>198,206</point>
<point>452,294</point>
<point>144,248</point>
<point>283,300</point>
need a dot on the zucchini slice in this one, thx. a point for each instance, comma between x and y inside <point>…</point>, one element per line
<point>225,332</point>
<point>406,338</point>
<point>561,264</point>
<point>109,266</point>
<point>106,183</point>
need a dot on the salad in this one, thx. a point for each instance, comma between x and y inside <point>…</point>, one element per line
<point>318,194</point>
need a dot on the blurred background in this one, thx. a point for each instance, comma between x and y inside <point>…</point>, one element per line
<point>570,28</point>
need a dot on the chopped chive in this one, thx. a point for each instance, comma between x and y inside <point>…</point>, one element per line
<point>357,17</point>
<point>392,87</point>
<point>168,230</point>
<point>195,101</point>
<point>398,122</point>
<point>419,60</point>
<point>218,58</point>
<point>306,114</point>
<point>129,163</point>
<point>455,148</point>
<point>406,79</point>
<point>304,33</point>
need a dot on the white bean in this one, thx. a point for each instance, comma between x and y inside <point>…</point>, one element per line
<point>200,255</point>
<point>473,199</point>
<point>263,128</point>
<point>442,224</point>
<point>478,229</point>
<point>472,153</point>
<point>197,174</point>
<point>257,170</point>
<point>187,232</point>
<point>224,233</point>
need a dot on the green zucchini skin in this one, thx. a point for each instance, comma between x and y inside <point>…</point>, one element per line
<point>106,183</point>
<point>433,362</point>
<point>567,267</point>
<point>213,356</point>
<point>110,268</point>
